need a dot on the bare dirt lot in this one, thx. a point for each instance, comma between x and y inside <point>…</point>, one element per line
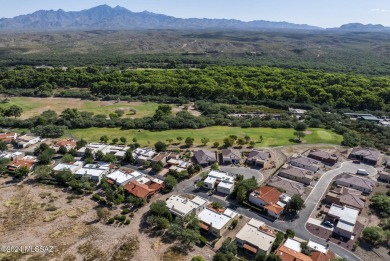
<point>40,215</point>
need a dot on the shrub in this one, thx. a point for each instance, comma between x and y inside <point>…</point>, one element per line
<point>234,223</point>
<point>51,208</point>
<point>111,221</point>
<point>96,197</point>
<point>127,222</point>
<point>120,218</point>
<point>125,211</point>
<point>289,233</point>
<point>202,240</point>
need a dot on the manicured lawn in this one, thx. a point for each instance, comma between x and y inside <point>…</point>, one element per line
<point>271,137</point>
<point>35,106</point>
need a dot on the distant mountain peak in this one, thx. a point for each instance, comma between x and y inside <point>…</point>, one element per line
<point>107,17</point>
<point>359,27</point>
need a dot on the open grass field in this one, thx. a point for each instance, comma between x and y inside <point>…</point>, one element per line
<point>271,137</point>
<point>35,106</point>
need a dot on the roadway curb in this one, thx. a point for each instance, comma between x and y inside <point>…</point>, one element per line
<point>314,209</point>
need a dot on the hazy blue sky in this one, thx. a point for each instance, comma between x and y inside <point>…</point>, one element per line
<point>325,13</point>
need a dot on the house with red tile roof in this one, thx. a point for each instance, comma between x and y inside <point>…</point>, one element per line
<point>28,161</point>
<point>8,137</point>
<point>144,187</point>
<point>320,252</point>
<point>288,254</point>
<point>267,198</point>
<point>68,144</point>
<point>291,251</point>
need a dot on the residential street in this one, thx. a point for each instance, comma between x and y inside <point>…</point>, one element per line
<point>298,225</point>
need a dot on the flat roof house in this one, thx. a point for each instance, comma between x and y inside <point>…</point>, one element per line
<point>258,158</point>
<point>205,157</point>
<point>221,180</point>
<point>346,217</point>
<point>144,187</point>
<point>255,238</point>
<point>326,157</point>
<point>73,167</point>
<point>268,198</point>
<point>118,151</point>
<point>93,172</point>
<point>93,147</point>
<point>185,205</point>
<point>287,185</point>
<point>143,154</point>
<point>368,156</point>
<point>297,174</point>
<point>354,182</point>
<point>121,177</point>
<point>231,155</point>
<point>26,141</point>
<point>215,221</point>
<point>304,163</point>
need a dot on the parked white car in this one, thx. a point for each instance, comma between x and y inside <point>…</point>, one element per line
<point>362,172</point>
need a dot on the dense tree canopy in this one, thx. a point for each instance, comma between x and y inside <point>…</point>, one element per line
<point>213,82</point>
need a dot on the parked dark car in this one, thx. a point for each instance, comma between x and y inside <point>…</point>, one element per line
<point>327,224</point>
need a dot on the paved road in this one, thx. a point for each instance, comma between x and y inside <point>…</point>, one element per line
<point>299,224</point>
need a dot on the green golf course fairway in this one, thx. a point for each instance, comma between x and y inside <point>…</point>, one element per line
<point>271,137</point>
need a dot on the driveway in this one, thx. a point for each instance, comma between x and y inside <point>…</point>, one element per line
<point>299,224</point>
<point>246,172</point>
<point>351,167</point>
<point>318,223</point>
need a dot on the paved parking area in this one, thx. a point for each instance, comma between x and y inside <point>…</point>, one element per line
<point>247,172</point>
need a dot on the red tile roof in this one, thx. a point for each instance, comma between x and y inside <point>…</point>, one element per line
<point>287,254</point>
<point>142,190</point>
<point>274,208</point>
<point>110,181</point>
<point>7,137</point>
<point>250,248</point>
<point>66,143</point>
<point>268,194</point>
<point>318,256</point>
<point>20,163</point>
<point>204,226</point>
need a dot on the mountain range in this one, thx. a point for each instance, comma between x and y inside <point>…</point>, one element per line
<point>106,17</point>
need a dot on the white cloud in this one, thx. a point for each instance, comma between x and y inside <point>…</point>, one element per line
<point>379,10</point>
